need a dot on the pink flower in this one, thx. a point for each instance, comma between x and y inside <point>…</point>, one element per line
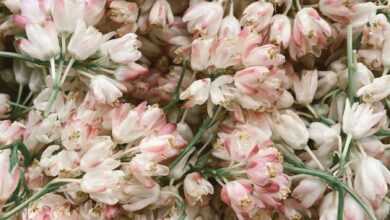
<point>33,11</point>
<point>204,18</point>
<point>137,196</point>
<point>105,89</point>
<point>230,26</point>
<point>131,125</point>
<point>161,14</point>
<point>196,188</point>
<point>130,72</point>
<point>265,165</point>
<point>200,53</point>
<point>225,53</point>
<point>8,178</point>
<point>94,11</point>
<point>273,193</point>
<point>123,50</point>
<point>354,12</point>
<point>144,168</point>
<point>305,87</point>
<point>162,147</point>
<point>10,132</point>
<point>309,191</point>
<point>254,11</point>
<point>123,12</point>
<point>197,93</point>
<point>99,156</point>
<point>267,55</point>
<point>238,195</point>
<point>280,31</point>
<point>222,91</point>
<point>310,34</point>
<point>54,164</point>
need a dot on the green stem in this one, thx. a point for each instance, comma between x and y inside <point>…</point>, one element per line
<point>176,94</point>
<point>12,55</point>
<point>195,140</point>
<point>340,206</point>
<point>50,187</point>
<point>345,152</point>
<point>351,64</point>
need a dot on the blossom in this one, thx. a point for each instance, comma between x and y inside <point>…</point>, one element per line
<point>230,26</point>
<point>123,12</point>
<point>84,41</point>
<point>10,132</point>
<point>106,90</point>
<point>122,50</point>
<point>371,180</point>
<point>94,11</point>
<point>4,106</point>
<point>66,14</point>
<point>161,14</point>
<point>197,93</point>
<point>200,53</point>
<point>130,72</point>
<point>280,31</point>
<point>9,176</point>
<point>55,164</point>
<point>267,55</point>
<point>361,120</point>
<point>196,188</point>
<point>375,91</point>
<point>309,191</point>
<point>204,18</point>
<point>306,87</point>
<point>143,169</point>
<point>252,12</point>
<point>42,41</point>
<point>33,11</point>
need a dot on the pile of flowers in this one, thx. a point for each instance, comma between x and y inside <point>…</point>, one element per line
<point>194,109</point>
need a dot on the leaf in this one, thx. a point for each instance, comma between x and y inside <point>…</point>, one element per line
<point>14,157</point>
<point>26,154</point>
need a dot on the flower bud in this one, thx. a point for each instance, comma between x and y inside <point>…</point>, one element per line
<point>123,12</point>
<point>371,180</point>
<point>105,89</point>
<point>22,73</point>
<point>280,31</point>
<point>10,132</point>
<point>286,100</point>
<point>200,53</point>
<point>122,50</point>
<point>61,163</point>
<point>161,14</point>
<point>309,191</point>
<point>327,81</point>
<point>94,11</point>
<point>373,146</point>
<point>230,27</point>
<point>66,14</point>
<point>130,72</point>
<point>197,93</point>
<point>267,55</point>
<point>196,188</point>
<point>291,128</point>
<point>375,91</point>
<point>251,14</point>
<point>9,178</point>
<point>306,87</point>
<point>372,58</point>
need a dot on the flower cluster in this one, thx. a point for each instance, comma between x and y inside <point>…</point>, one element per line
<point>194,109</point>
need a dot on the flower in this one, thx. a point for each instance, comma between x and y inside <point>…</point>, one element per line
<point>309,191</point>
<point>161,14</point>
<point>196,188</point>
<point>328,208</point>
<point>131,125</point>
<point>361,120</point>
<point>197,93</point>
<point>103,186</point>
<point>200,53</point>
<point>291,128</point>
<point>105,89</point>
<point>224,53</point>
<point>130,72</point>
<point>222,91</point>
<point>280,31</point>
<point>33,11</point>
<point>371,180</point>
<point>238,195</point>
<point>9,177</point>
<point>305,87</point>
<point>12,5</point>
<point>94,11</point>
<point>204,18</point>
<point>143,169</point>
<point>252,12</point>
<point>66,14</point>
<point>123,12</point>
<point>61,163</point>
<point>42,41</point>
<point>10,132</point>
<point>122,50</point>
<point>84,41</point>
<point>230,26</point>
<point>310,34</point>
<point>267,55</point>
<point>137,196</point>
<point>375,91</point>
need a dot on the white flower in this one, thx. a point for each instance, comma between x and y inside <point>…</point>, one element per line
<point>105,89</point>
<point>103,186</point>
<point>12,5</point>
<point>196,188</point>
<point>54,164</point>
<point>222,91</point>
<point>161,14</point>
<point>85,41</point>
<point>308,191</point>
<point>32,11</point>
<point>42,41</point>
<point>291,128</point>
<point>306,86</point>
<point>197,93</point>
<point>66,14</point>
<point>371,180</point>
<point>8,178</point>
<point>375,91</point>
<point>10,131</point>
<point>94,11</point>
<point>361,120</point>
<point>122,50</point>
<point>200,53</point>
<point>252,12</point>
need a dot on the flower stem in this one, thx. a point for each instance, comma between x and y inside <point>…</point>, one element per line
<point>344,153</point>
<point>6,54</point>
<point>351,64</point>
<point>340,206</point>
<point>176,94</point>
<point>68,67</point>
